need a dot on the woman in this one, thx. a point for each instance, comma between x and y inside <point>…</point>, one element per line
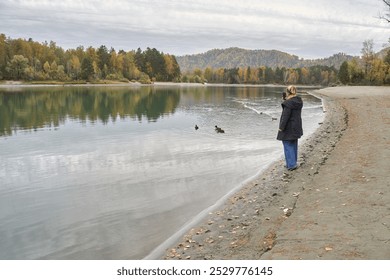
<point>290,126</point>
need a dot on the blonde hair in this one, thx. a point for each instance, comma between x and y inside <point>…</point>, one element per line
<point>291,91</point>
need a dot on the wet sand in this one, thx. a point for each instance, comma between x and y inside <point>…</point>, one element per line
<point>334,206</point>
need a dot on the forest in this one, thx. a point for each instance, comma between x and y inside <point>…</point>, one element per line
<point>314,75</point>
<point>369,69</point>
<point>31,61</point>
<point>28,60</point>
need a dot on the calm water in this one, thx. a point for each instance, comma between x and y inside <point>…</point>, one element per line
<point>110,173</point>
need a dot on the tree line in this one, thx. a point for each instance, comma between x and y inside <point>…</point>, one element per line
<point>318,75</point>
<point>22,59</point>
<point>370,69</point>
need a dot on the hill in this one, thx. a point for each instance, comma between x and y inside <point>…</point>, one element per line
<point>237,57</point>
<point>382,54</point>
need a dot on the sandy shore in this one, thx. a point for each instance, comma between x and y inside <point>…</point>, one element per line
<point>335,206</point>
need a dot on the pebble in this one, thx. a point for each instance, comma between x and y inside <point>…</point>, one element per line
<point>287,211</point>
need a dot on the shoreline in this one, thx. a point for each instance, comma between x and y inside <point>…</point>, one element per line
<point>159,251</point>
<point>298,215</point>
<point>264,177</point>
<point>17,84</point>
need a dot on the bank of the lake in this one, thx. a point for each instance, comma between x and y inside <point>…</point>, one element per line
<point>16,84</point>
<point>335,206</point>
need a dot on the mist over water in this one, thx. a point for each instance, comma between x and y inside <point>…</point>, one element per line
<point>110,173</point>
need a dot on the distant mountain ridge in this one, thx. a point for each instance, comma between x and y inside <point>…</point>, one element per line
<point>237,57</point>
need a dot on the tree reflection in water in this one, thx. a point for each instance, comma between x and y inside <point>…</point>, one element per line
<point>33,108</point>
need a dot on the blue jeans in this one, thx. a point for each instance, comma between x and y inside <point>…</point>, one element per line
<point>291,152</point>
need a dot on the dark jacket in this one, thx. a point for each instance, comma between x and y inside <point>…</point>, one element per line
<point>291,121</point>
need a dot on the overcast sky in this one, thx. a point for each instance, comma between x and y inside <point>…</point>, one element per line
<point>307,28</point>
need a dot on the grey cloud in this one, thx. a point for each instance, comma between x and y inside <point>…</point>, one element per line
<point>307,28</point>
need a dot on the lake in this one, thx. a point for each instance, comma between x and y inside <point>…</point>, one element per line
<point>112,172</point>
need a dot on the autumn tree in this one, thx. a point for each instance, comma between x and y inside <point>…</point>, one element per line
<point>305,75</point>
<point>74,67</point>
<point>387,57</point>
<point>17,67</point>
<point>208,74</point>
<point>292,76</point>
<point>261,74</point>
<point>46,70</point>
<point>130,70</point>
<point>368,57</point>
<point>378,71</point>
<point>48,61</point>
<point>356,73</point>
<point>172,68</point>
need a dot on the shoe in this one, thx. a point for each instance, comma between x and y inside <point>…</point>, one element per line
<point>292,168</point>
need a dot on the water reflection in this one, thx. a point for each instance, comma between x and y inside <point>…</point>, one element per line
<point>36,108</point>
<point>117,188</point>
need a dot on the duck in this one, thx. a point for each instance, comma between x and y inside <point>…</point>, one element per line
<point>219,130</point>
<point>196,127</point>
